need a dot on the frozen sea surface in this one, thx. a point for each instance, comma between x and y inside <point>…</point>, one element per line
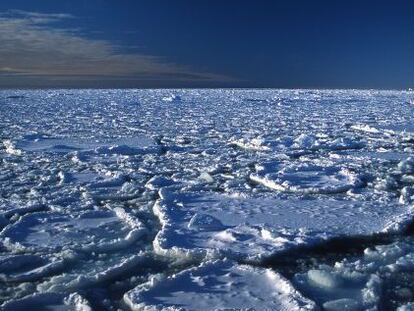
<point>179,199</point>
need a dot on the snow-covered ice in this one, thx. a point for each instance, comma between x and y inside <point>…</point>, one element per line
<point>218,285</point>
<point>92,231</point>
<point>178,199</point>
<point>252,228</point>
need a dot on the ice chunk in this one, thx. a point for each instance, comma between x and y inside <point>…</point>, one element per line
<point>362,283</point>
<point>406,307</point>
<point>344,304</point>
<point>324,279</point>
<point>11,149</point>
<point>205,222</point>
<point>308,178</point>
<point>365,128</point>
<point>33,271</point>
<point>93,231</point>
<point>206,177</point>
<point>305,141</point>
<point>255,144</point>
<point>407,195</point>
<point>115,186</point>
<point>111,267</point>
<point>11,209</point>
<point>406,166</point>
<point>122,145</point>
<point>171,98</point>
<point>218,285</point>
<point>49,301</point>
<point>156,182</point>
<point>344,143</point>
<point>195,223</point>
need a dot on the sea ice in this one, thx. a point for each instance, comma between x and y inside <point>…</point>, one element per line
<point>124,146</point>
<point>359,284</point>
<point>218,285</point>
<point>207,223</point>
<point>307,178</point>
<point>103,190</point>
<point>50,302</point>
<point>92,231</point>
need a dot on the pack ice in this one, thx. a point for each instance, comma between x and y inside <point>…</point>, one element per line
<point>179,199</point>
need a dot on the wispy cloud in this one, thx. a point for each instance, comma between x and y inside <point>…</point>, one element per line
<point>32,46</point>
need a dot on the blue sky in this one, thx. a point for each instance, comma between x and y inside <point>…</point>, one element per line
<point>200,43</point>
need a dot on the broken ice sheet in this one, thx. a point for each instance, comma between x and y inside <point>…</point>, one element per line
<point>195,224</point>
<point>201,175</point>
<point>216,285</point>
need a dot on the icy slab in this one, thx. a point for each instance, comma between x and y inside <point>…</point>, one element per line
<point>255,144</point>
<point>29,268</point>
<point>402,131</point>
<point>122,145</point>
<point>90,231</point>
<point>295,145</point>
<point>197,224</point>
<point>172,98</point>
<point>306,178</point>
<point>115,188</point>
<point>218,285</point>
<point>406,307</point>
<point>365,128</point>
<point>10,209</point>
<point>102,186</point>
<point>17,262</point>
<point>10,148</point>
<point>49,302</point>
<point>345,143</point>
<point>381,154</point>
<point>105,268</point>
<point>82,178</point>
<point>363,283</point>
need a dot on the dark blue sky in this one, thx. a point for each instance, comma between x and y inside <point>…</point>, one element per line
<point>200,43</point>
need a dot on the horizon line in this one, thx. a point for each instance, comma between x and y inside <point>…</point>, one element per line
<point>407,89</point>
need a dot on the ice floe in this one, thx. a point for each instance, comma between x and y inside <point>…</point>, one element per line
<point>40,143</point>
<point>208,224</point>
<point>307,178</point>
<point>50,301</point>
<point>105,268</point>
<point>90,231</point>
<point>218,285</point>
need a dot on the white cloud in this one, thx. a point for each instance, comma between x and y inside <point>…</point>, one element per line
<point>31,45</point>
